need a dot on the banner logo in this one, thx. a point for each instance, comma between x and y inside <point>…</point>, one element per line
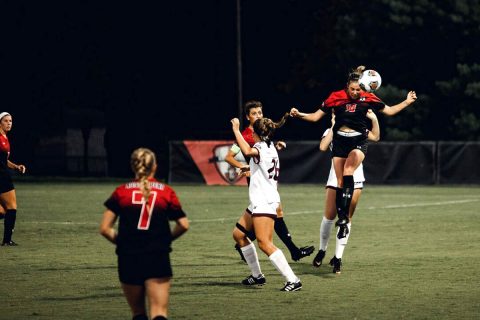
<point>225,170</point>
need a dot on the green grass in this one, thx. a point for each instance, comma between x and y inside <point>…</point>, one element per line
<point>414,253</point>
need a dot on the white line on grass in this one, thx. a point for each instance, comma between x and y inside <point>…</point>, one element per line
<point>395,206</point>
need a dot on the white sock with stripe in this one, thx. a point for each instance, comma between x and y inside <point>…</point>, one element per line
<point>250,254</point>
<point>281,264</point>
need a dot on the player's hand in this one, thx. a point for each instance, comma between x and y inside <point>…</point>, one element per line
<point>235,124</point>
<point>294,113</point>
<point>244,171</point>
<point>411,97</point>
<point>21,168</point>
<point>371,115</point>
<point>280,145</point>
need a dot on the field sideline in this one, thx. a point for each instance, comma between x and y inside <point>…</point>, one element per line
<point>413,254</point>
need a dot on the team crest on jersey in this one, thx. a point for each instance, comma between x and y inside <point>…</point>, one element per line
<point>351,107</point>
<point>226,171</point>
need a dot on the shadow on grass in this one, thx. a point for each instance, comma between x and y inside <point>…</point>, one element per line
<point>82,298</point>
<point>79,268</point>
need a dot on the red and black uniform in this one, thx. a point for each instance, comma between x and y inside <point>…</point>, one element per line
<point>144,236</point>
<point>352,114</point>
<point>6,183</point>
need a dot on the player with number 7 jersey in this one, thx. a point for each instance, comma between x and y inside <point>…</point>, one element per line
<point>144,226</point>
<point>144,208</point>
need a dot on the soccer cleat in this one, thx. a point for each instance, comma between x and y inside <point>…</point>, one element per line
<point>9,244</point>
<point>237,247</point>
<point>292,286</point>
<point>336,264</point>
<point>252,281</point>
<point>342,231</point>
<point>317,261</point>
<point>342,221</point>
<point>302,253</point>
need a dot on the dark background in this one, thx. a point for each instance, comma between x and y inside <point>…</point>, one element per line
<point>150,72</point>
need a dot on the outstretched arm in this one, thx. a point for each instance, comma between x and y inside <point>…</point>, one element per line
<point>312,117</point>
<point>244,146</point>
<point>393,110</point>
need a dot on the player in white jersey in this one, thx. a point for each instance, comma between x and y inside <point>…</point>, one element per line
<point>264,201</point>
<point>330,197</point>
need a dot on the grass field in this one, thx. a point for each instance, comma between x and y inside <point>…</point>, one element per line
<point>413,253</point>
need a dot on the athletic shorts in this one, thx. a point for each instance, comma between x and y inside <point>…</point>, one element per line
<point>342,145</point>
<point>135,269</point>
<point>6,183</point>
<point>264,209</point>
<point>358,178</point>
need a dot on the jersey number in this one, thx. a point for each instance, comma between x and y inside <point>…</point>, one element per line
<point>147,208</point>
<point>274,170</point>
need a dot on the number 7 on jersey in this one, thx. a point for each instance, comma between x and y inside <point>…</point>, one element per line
<point>147,208</point>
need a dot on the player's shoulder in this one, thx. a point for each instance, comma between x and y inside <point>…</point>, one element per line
<point>336,98</point>
<point>369,97</point>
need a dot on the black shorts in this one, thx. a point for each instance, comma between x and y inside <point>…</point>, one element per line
<point>6,183</point>
<point>343,145</point>
<point>135,269</point>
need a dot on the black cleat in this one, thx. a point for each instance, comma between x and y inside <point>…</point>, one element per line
<point>302,253</point>
<point>317,261</point>
<point>252,281</point>
<point>237,247</point>
<point>342,221</point>
<point>9,244</point>
<point>336,264</point>
<point>292,286</point>
<point>343,231</point>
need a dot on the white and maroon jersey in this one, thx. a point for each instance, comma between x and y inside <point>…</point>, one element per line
<point>264,171</point>
<point>358,175</point>
<point>4,153</point>
<point>144,227</point>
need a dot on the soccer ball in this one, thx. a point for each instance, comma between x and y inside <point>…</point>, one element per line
<point>370,81</point>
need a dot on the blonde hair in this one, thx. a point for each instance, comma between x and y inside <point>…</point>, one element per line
<point>143,163</point>
<point>265,127</point>
<point>355,74</point>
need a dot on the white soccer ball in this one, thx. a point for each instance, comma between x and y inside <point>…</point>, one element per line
<point>370,81</point>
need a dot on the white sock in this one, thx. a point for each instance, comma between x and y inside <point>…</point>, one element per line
<point>325,231</point>
<point>341,243</point>
<point>281,264</point>
<point>250,254</point>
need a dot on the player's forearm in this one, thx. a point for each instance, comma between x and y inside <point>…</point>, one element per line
<point>393,110</point>
<point>374,134</point>
<point>311,117</point>
<point>244,146</point>
<point>180,228</point>
<point>231,161</point>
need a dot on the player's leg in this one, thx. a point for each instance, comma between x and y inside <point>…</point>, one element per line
<point>354,159</point>
<point>158,291</point>
<point>282,232</point>
<point>135,295</point>
<point>326,225</point>
<point>248,250</point>
<point>241,233</point>
<point>264,226</point>
<point>8,200</point>
<point>341,242</point>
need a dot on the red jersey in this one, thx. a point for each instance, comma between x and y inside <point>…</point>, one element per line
<point>247,134</point>
<point>4,152</point>
<point>144,229</point>
<point>352,112</point>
